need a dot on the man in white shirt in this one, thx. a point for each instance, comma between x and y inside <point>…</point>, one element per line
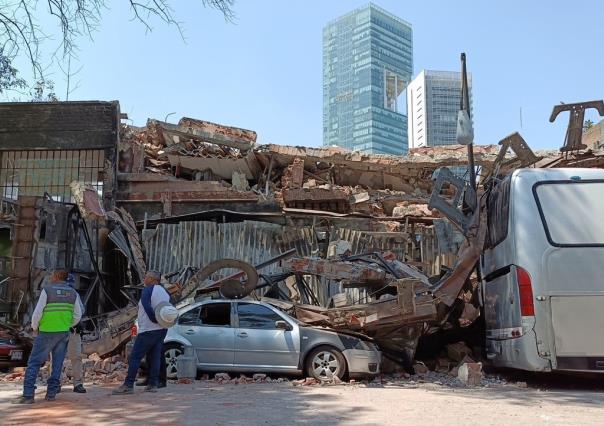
<point>150,337</point>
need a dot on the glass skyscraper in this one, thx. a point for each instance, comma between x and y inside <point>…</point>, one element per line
<point>367,63</point>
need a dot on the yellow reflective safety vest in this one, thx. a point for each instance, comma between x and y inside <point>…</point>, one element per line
<point>58,312</point>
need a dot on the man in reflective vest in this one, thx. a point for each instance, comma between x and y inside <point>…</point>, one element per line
<point>58,309</point>
<point>74,348</point>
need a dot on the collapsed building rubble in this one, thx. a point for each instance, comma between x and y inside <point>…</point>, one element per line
<point>57,179</point>
<point>373,244</point>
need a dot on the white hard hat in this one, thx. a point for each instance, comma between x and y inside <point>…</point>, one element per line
<point>166,314</point>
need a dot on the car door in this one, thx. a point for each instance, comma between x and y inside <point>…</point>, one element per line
<point>210,330</point>
<point>259,344</point>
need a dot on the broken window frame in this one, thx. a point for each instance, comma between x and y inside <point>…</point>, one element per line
<point>498,216</point>
<point>37,172</point>
<point>209,307</point>
<point>191,317</point>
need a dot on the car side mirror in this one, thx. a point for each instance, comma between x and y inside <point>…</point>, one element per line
<point>282,325</point>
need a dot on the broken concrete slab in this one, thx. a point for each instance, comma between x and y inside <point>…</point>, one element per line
<point>222,167</point>
<point>470,374</point>
<point>171,133</point>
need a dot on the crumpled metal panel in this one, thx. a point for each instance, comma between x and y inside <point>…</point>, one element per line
<point>170,247</point>
<point>335,269</point>
<point>449,238</point>
<point>126,222</point>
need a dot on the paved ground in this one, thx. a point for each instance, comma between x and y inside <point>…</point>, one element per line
<point>279,404</point>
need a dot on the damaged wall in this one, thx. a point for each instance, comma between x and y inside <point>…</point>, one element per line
<point>44,147</point>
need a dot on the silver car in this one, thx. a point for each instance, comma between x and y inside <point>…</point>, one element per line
<point>250,336</point>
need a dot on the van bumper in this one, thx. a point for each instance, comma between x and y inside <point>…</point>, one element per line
<point>585,364</point>
<point>520,353</point>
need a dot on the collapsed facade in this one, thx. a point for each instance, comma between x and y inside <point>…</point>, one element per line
<point>372,244</point>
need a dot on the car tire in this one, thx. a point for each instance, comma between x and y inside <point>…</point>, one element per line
<point>171,352</point>
<point>324,362</point>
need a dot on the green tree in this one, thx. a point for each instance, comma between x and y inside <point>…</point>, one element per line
<point>23,37</point>
<point>9,79</point>
<point>588,125</point>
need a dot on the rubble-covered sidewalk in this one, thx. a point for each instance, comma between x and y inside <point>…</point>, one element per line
<point>387,402</point>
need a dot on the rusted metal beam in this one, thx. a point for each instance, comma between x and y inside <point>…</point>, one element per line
<point>336,270</point>
<point>574,132</point>
<point>184,197</point>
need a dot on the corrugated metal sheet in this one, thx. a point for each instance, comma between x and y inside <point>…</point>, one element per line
<point>170,247</point>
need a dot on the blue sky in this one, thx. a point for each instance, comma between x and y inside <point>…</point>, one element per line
<point>265,71</point>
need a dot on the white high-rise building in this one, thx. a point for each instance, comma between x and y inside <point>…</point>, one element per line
<point>433,100</point>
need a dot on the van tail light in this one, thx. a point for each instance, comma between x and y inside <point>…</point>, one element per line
<point>133,331</point>
<point>525,287</point>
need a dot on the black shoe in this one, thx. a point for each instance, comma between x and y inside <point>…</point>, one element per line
<point>59,391</point>
<point>142,382</point>
<point>23,400</point>
<point>49,397</point>
<point>162,385</point>
<point>151,388</point>
<point>79,389</point>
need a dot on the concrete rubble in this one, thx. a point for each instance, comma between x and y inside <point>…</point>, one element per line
<point>383,246</point>
<point>96,370</point>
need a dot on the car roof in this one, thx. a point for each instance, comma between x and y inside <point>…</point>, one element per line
<point>207,301</point>
<point>559,173</point>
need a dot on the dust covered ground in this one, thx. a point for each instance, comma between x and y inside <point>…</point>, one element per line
<point>550,400</point>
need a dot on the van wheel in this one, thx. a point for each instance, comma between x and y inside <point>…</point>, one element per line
<point>171,352</point>
<point>325,362</point>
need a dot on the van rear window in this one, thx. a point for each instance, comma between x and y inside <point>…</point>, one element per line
<point>498,213</point>
<point>572,212</point>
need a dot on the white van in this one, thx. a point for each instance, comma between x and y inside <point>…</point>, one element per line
<point>543,271</point>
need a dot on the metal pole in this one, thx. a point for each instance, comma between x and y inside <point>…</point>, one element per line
<point>465,105</point>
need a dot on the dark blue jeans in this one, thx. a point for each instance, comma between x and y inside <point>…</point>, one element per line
<point>148,343</point>
<point>45,344</point>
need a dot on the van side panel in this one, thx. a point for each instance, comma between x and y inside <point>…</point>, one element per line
<point>576,270</point>
<point>576,293</point>
<point>567,279</point>
<point>578,322</point>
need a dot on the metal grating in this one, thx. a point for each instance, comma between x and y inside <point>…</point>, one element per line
<point>35,172</point>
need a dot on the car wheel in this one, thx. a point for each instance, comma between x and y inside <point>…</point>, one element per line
<point>171,352</point>
<point>325,362</point>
